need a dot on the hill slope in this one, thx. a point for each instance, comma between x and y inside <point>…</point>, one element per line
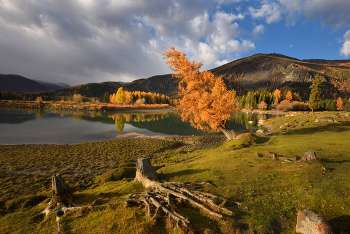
<point>20,84</point>
<point>275,70</point>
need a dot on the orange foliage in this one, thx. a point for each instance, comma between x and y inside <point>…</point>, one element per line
<point>206,102</point>
<point>277,95</point>
<point>289,96</point>
<point>340,105</point>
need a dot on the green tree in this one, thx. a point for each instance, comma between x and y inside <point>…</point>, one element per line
<point>105,98</point>
<point>315,95</point>
<point>120,96</point>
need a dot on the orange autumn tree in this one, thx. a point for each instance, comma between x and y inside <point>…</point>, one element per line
<point>340,103</point>
<point>206,102</point>
<point>289,96</point>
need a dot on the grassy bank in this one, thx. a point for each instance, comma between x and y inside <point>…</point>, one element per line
<point>271,191</point>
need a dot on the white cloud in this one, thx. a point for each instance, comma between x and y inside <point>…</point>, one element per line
<point>258,31</point>
<point>271,12</point>
<point>345,50</point>
<point>220,63</point>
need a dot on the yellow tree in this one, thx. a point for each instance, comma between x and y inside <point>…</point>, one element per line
<point>120,97</point>
<point>206,102</point>
<point>340,105</point>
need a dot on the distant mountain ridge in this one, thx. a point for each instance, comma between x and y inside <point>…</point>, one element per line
<point>20,84</point>
<point>259,71</point>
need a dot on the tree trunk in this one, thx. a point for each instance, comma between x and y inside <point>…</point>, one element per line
<point>230,134</point>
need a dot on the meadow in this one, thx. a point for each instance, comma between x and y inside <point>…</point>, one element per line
<point>269,191</point>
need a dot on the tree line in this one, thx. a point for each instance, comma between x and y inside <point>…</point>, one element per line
<point>137,97</point>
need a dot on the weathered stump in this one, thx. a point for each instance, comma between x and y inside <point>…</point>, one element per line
<point>309,156</point>
<point>61,193</point>
<point>230,134</point>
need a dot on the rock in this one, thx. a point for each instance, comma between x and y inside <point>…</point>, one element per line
<point>287,124</point>
<point>273,155</point>
<point>346,115</point>
<point>252,122</point>
<point>309,156</point>
<point>309,222</point>
<point>324,119</point>
<point>260,131</point>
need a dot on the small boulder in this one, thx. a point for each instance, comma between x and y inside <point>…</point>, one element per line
<point>309,156</point>
<point>346,115</point>
<point>252,122</point>
<point>309,222</point>
<point>324,119</point>
<point>260,131</point>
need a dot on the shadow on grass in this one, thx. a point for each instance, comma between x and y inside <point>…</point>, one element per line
<point>341,224</point>
<point>333,161</point>
<point>339,127</point>
<point>182,173</point>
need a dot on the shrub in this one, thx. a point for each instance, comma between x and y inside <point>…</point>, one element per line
<point>39,99</point>
<point>140,101</point>
<point>77,98</point>
<point>286,105</point>
<point>262,105</point>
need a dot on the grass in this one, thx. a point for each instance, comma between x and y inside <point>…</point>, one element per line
<point>271,191</point>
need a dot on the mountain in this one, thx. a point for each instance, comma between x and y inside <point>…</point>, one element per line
<point>269,71</point>
<point>20,84</point>
<point>53,86</point>
<point>88,90</point>
<point>260,71</point>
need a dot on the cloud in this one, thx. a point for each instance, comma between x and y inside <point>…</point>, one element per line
<point>271,12</point>
<point>92,41</point>
<point>345,50</point>
<point>258,31</point>
<point>334,13</point>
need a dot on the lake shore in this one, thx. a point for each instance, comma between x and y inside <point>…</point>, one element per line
<point>85,106</point>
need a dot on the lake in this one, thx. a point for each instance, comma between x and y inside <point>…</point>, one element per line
<point>25,126</point>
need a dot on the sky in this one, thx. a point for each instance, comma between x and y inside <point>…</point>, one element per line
<point>87,41</point>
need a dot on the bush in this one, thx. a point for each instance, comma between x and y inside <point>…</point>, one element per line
<point>39,99</point>
<point>286,105</point>
<point>140,101</point>
<point>77,98</point>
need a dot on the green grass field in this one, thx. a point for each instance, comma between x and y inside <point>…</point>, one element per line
<point>243,170</point>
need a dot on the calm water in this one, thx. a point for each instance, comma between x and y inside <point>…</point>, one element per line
<point>66,127</point>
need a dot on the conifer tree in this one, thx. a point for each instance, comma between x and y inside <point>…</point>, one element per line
<point>315,95</point>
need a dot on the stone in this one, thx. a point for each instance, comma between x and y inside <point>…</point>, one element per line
<point>309,222</point>
<point>309,156</point>
<point>324,119</point>
<point>252,122</point>
<point>346,115</point>
<point>260,131</point>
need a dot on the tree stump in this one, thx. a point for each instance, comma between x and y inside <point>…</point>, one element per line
<point>165,196</point>
<point>61,193</point>
<point>309,156</point>
<point>230,134</point>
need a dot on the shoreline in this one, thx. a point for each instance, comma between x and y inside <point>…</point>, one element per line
<point>103,107</point>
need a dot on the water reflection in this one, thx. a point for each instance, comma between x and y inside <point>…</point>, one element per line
<point>65,126</point>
